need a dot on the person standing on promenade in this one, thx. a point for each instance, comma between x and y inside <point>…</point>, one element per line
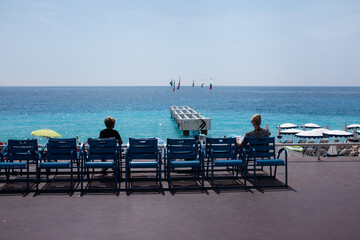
<point>257,132</point>
<point>109,131</point>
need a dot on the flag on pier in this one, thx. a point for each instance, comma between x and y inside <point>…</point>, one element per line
<point>178,87</point>
<point>171,82</point>
<point>193,83</point>
<point>173,85</point>
<point>210,85</point>
<point>202,83</point>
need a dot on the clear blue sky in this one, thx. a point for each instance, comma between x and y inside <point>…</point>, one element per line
<point>148,42</point>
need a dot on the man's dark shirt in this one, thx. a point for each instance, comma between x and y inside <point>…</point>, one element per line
<point>110,133</point>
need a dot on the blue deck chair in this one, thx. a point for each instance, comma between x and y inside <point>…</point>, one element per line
<point>261,153</point>
<point>102,153</point>
<point>223,153</point>
<point>19,154</point>
<point>61,154</point>
<point>143,153</point>
<point>183,153</point>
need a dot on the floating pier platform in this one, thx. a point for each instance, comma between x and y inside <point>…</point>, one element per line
<point>189,120</point>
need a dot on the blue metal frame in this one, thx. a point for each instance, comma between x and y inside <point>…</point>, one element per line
<point>61,154</point>
<point>261,152</point>
<point>223,152</point>
<point>99,153</point>
<point>19,154</point>
<point>143,153</point>
<point>183,153</point>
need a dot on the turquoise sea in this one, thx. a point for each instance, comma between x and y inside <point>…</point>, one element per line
<point>144,111</point>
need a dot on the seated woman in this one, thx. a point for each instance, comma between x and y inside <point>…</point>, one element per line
<point>257,132</point>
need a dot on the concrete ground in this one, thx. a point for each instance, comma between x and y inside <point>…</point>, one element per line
<point>321,203</point>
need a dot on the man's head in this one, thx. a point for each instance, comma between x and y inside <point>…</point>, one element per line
<point>109,122</point>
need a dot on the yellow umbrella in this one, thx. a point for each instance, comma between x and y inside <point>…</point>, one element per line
<point>45,133</point>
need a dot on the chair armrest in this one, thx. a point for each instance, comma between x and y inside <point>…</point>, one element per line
<point>5,148</point>
<point>280,151</point>
<point>33,153</point>
<point>4,152</point>
<point>43,148</point>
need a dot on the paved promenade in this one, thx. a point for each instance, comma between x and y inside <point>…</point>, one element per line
<point>323,202</point>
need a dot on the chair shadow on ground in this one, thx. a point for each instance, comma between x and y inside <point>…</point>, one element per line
<point>57,185</point>
<point>266,183</point>
<point>14,188</point>
<point>100,184</point>
<point>185,186</point>
<point>229,185</point>
<point>144,187</point>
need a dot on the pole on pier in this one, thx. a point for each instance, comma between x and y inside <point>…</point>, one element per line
<point>202,96</point>
<point>178,88</point>
<point>210,98</point>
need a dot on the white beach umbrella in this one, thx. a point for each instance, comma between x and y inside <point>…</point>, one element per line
<point>290,131</point>
<point>310,125</point>
<point>337,133</point>
<point>315,133</point>
<point>287,125</point>
<point>353,126</point>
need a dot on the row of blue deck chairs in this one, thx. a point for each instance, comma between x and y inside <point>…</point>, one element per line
<point>218,158</point>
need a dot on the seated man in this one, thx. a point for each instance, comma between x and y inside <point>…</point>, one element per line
<point>109,131</point>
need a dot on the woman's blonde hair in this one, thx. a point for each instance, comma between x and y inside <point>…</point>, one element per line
<point>257,119</point>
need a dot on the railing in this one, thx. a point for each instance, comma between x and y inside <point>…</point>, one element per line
<point>318,145</point>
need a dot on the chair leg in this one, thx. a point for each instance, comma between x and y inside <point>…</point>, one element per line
<point>159,175</point>
<point>244,174</point>
<point>275,171</point>
<point>286,175</point>
<point>82,179</point>
<point>27,178</point>
<point>168,177</point>
<point>116,169</point>
<point>254,174</point>
<point>38,170</point>
<point>126,178</point>
<point>207,169</point>
<point>212,175</point>
<point>71,180</point>
<point>202,176</point>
